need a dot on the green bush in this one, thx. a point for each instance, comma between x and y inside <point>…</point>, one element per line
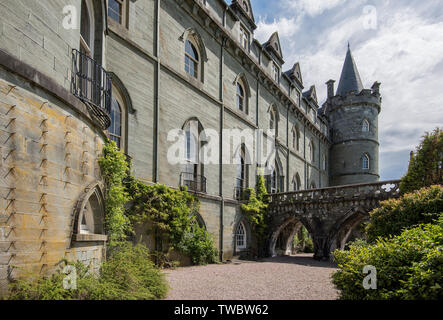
<point>423,206</point>
<point>172,214</point>
<point>409,266</point>
<point>128,274</point>
<point>199,245</point>
<point>425,166</point>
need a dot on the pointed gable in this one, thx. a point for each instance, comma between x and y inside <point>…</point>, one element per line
<point>295,74</point>
<point>244,8</point>
<point>273,45</point>
<point>311,94</point>
<point>350,78</point>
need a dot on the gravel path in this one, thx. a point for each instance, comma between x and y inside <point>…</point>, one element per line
<point>281,278</point>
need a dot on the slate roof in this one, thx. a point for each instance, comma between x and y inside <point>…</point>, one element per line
<point>350,78</point>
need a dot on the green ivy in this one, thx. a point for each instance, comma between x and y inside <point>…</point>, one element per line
<point>255,210</point>
<point>173,216</point>
<point>171,213</point>
<point>114,169</point>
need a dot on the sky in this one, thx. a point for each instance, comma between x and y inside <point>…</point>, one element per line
<point>398,43</point>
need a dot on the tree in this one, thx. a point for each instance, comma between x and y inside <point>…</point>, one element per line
<point>425,166</point>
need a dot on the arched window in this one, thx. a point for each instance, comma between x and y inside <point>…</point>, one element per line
<point>241,98</point>
<point>115,130</point>
<point>295,138</point>
<point>90,218</point>
<point>240,236</point>
<point>311,151</point>
<point>191,59</point>
<point>313,186</point>
<point>365,162</point>
<point>193,175</point>
<point>324,162</point>
<point>297,183</point>
<point>87,28</point>
<point>117,10</point>
<point>273,120</point>
<point>242,172</point>
<point>365,126</point>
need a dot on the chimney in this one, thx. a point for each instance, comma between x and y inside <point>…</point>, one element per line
<point>330,85</point>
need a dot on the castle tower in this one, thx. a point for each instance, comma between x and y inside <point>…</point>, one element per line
<point>353,118</point>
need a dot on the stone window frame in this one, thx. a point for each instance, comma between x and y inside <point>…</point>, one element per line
<point>124,12</point>
<point>275,72</point>
<point>366,126</point>
<point>244,37</point>
<point>366,161</point>
<point>246,161</point>
<point>242,80</point>
<point>83,232</point>
<point>274,118</point>
<point>196,40</point>
<point>296,182</point>
<point>118,96</point>
<point>311,151</point>
<point>295,138</point>
<point>86,47</point>
<point>241,234</point>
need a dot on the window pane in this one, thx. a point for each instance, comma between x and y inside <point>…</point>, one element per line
<point>115,10</point>
<point>85,27</point>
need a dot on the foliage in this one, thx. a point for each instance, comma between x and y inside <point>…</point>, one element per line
<point>303,242</point>
<point>422,206</point>
<point>114,169</point>
<point>173,217</point>
<point>409,266</point>
<point>425,166</point>
<point>128,274</point>
<point>198,245</point>
<point>255,210</point>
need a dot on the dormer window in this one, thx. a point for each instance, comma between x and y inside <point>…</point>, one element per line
<point>275,72</point>
<point>244,38</point>
<point>245,6</point>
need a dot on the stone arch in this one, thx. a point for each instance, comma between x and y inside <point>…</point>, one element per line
<point>200,221</point>
<point>193,34</point>
<point>89,215</point>
<point>241,77</point>
<point>346,225</point>
<point>289,227</point>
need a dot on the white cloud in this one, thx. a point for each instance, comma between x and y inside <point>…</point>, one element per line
<point>405,53</point>
<point>285,27</point>
<point>314,7</point>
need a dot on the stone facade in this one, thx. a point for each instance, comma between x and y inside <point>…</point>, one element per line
<point>49,134</point>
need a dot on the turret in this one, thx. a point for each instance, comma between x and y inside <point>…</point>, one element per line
<point>353,118</point>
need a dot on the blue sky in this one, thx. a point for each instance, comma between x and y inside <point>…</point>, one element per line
<point>398,43</point>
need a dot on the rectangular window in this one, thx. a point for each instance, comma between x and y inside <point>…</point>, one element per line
<point>244,38</point>
<point>117,11</point>
<point>276,72</point>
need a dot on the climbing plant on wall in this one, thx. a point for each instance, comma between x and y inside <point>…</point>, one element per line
<point>171,213</point>
<point>255,210</point>
<point>114,169</point>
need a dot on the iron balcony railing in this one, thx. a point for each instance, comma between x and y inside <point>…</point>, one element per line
<point>194,182</point>
<point>92,85</point>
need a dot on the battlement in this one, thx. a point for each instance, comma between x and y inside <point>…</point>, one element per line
<point>366,96</point>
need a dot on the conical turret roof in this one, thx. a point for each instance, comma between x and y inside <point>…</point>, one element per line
<point>350,78</point>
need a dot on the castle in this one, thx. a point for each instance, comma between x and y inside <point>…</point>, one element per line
<point>76,72</point>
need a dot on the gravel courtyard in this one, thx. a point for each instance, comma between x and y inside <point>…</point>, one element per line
<point>282,278</point>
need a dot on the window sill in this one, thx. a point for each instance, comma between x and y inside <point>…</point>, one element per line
<point>90,237</point>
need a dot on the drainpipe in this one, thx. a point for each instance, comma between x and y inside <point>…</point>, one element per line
<point>222,111</point>
<point>287,142</point>
<point>304,154</point>
<point>157,93</point>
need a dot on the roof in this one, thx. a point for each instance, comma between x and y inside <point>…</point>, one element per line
<point>350,78</point>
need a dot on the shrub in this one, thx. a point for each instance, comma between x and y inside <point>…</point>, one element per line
<point>172,214</point>
<point>409,266</point>
<point>425,166</point>
<point>128,274</point>
<point>394,215</point>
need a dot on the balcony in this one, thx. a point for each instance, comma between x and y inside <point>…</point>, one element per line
<point>195,183</point>
<point>93,86</point>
